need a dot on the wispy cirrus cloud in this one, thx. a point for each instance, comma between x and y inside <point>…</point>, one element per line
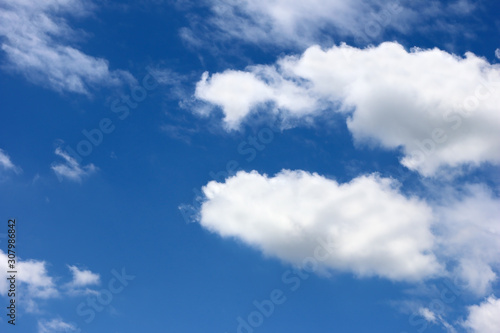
<point>37,43</point>
<point>435,318</point>
<point>6,164</point>
<point>296,23</point>
<point>283,23</point>
<point>71,169</point>
<point>55,325</point>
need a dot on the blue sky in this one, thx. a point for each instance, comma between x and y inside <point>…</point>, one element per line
<point>251,166</point>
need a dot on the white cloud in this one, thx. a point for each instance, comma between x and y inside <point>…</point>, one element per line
<point>376,230</point>
<point>440,109</point>
<point>240,92</point>
<point>295,23</point>
<point>497,53</point>
<point>435,318</point>
<point>83,278</point>
<point>34,284</point>
<point>485,317</point>
<point>33,274</point>
<point>469,232</point>
<point>6,163</point>
<point>462,6</point>
<point>36,44</point>
<point>287,22</point>
<point>55,325</point>
<point>71,169</point>
<point>428,314</point>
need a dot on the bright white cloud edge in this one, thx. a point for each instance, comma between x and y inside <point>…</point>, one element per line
<point>377,231</point>
<point>441,110</point>
<point>485,317</point>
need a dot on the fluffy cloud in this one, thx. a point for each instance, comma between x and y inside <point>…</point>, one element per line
<point>375,230</point>
<point>83,278</point>
<point>33,274</point>
<point>485,317</point>
<point>36,44</point>
<point>238,93</point>
<point>439,109</point>
<point>34,283</point>
<point>71,169</point>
